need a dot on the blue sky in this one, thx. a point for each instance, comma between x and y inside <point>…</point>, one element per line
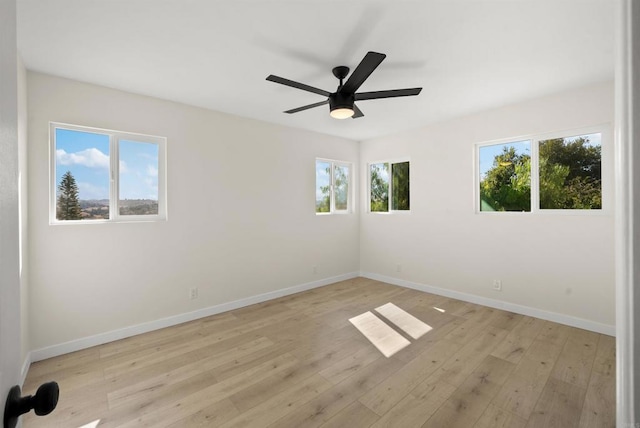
<point>488,153</point>
<point>87,156</point>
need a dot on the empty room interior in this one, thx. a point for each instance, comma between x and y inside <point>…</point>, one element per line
<point>310,214</point>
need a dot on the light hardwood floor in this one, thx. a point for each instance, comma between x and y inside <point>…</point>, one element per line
<point>298,362</point>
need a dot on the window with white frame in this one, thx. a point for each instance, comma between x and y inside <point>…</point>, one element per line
<point>505,176</point>
<point>389,186</point>
<point>333,188</point>
<point>100,175</point>
<point>553,172</point>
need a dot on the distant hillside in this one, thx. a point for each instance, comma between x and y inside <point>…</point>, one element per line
<point>99,208</point>
<point>138,207</point>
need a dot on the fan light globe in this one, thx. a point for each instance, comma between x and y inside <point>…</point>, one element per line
<point>341,113</point>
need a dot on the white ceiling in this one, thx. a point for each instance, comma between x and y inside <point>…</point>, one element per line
<point>468,55</point>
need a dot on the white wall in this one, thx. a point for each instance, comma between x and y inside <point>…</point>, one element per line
<point>242,221</point>
<point>563,264</point>
<point>10,340</point>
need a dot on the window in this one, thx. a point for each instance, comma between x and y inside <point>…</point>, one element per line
<point>102,175</point>
<point>570,172</point>
<point>505,177</point>
<point>558,173</point>
<point>389,181</point>
<point>333,190</point>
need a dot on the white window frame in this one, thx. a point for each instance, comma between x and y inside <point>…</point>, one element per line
<point>476,173</point>
<point>114,172</point>
<point>606,145</point>
<point>390,210</point>
<point>332,199</point>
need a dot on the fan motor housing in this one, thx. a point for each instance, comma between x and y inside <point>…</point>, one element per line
<point>339,100</point>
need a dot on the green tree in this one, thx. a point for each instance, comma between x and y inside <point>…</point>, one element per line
<point>68,204</point>
<point>341,187</point>
<point>400,186</point>
<point>379,187</point>
<point>570,174</point>
<point>507,185</point>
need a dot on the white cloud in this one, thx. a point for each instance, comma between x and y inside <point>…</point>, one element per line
<point>152,171</point>
<point>92,158</point>
<point>123,167</point>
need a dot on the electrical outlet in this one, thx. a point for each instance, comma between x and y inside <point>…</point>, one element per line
<point>497,285</point>
<point>398,267</point>
<point>193,293</point>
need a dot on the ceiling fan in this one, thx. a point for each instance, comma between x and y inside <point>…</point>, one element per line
<point>342,101</point>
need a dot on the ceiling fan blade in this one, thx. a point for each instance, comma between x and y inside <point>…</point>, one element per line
<point>356,112</point>
<point>297,85</point>
<point>296,110</point>
<point>369,63</point>
<point>387,94</point>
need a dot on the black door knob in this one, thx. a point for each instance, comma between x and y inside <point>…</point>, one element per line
<point>43,402</point>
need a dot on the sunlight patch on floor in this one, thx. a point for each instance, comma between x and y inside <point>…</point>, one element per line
<point>387,340</point>
<point>404,320</point>
<point>93,424</point>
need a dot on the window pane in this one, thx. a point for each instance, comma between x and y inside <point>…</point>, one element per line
<point>570,173</point>
<point>138,185</point>
<point>400,183</point>
<point>505,177</point>
<point>341,187</point>
<point>323,187</point>
<point>380,187</point>
<point>82,175</point>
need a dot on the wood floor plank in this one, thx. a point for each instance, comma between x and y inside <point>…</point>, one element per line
<point>331,402</point>
<point>353,416</point>
<point>559,406</point>
<point>61,365</point>
<point>605,361</point>
<point>554,333</point>
<point>418,406</point>
<point>494,417</point>
<point>213,415</point>
<point>470,400</point>
<point>250,397</point>
<point>347,366</point>
<point>279,405</point>
<point>506,320</point>
<point>154,401</point>
<point>521,391</point>
<point>576,359</point>
<point>298,362</point>
<point>186,410</point>
<point>519,339</point>
<point>392,390</point>
<point>600,404</point>
<point>474,324</point>
<point>460,365</point>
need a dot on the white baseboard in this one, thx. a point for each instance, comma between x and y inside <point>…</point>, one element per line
<point>110,336</point>
<point>609,330</point>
